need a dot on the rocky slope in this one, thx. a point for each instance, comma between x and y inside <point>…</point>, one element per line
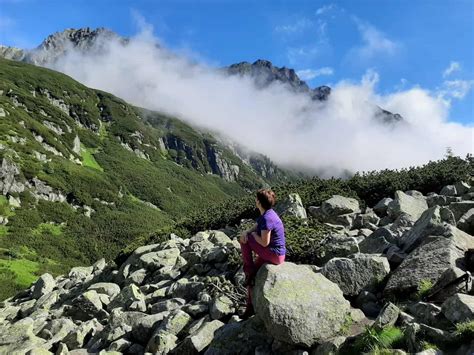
<point>184,296</point>
<point>83,173</point>
<point>87,40</point>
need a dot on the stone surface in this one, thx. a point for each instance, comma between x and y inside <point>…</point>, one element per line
<point>429,261</point>
<point>406,204</point>
<point>200,339</point>
<point>459,308</point>
<point>334,246</point>
<point>246,336</point>
<point>220,307</point>
<point>388,316</point>
<point>43,285</point>
<point>291,205</point>
<point>283,293</point>
<point>338,205</point>
<point>356,273</point>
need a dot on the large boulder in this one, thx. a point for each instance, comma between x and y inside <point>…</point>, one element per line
<point>157,259</point>
<point>466,222</point>
<point>459,308</point>
<point>43,285</point>
<point>412,206</point>
<point>291,205</point>
<point>381,207</point>
<point>429,261</point>
<point>378,242</point>
<point>338,205</point>
<point>429,223</point>
<point>283,294</point>
<point>356,273</point>
<point>197,342</point>
<point>336,246</point>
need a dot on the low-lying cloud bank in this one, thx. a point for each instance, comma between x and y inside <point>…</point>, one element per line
<point>340,134</point>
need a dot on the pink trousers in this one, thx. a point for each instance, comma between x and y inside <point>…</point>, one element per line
<point>264,255</point>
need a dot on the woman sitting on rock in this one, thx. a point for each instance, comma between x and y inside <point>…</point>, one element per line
<point>266,239</point>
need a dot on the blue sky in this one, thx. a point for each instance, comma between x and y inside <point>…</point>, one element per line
<point>408,43</point>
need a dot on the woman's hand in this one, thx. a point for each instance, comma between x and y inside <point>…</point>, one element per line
<point>243,238</point>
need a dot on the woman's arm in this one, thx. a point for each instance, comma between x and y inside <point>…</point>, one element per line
<point>264,239</point>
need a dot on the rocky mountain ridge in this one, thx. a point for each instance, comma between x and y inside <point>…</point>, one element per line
<point>184,296</point>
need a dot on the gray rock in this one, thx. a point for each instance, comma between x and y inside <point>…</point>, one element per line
<point>75,339</point>
<point>359,272</point>
<point>429,261</point>
<point>330,347</point>
<point>143,327</point>
<point>462,188</point>
<point>291,205</point>
<point>388,316</point>
<point>426,313</point>
<point>219,238</point>
<point>406,204</point>
<point>175,322</point>
<point>183,288</point>
<point>283,293</point>
<point>436,200</point>
<point>448,190</point>
<point>381,207</point>
<point>460,208</point>
<point>246,336</point>
<point>80,272</point>
<point>221,306</point>
<point>161,343</point>
<point>395,255</point>
<point>157,259</point>
<point>107,288</point>
<point>200,339</point>
<point>87,306</point>
<point>338,205</point>
<point>445,287</point>
<point>466,222</point>
<point>366,220</point>
<point>377,242</point>
<point>167,305</point>
<point>129,298</point>
<point>137,277</point>
<point>429,223</point>
<point>459,308</point>
<point>43,285</point>
<point>334,246</point>
<point>19,338</point>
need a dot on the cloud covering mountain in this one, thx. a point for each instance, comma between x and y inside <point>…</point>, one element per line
<point>328,137</point>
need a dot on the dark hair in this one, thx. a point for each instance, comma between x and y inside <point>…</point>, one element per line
<point>267,198</point>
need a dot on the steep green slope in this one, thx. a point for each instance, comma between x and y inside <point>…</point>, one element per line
<point>83,174</point>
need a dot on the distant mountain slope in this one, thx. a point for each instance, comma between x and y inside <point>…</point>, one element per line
<point>89,40</point>
<point>83,173</point>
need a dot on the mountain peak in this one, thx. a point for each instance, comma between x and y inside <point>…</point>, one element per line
<point>265,73</point>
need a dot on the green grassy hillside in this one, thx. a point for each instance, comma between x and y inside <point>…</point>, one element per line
<point>84,173</point>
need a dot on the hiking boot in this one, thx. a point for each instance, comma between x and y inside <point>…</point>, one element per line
<point>249,312</point>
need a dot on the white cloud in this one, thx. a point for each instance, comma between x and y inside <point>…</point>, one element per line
<point>456,89</point>
<point>341,133</point>
<point>374,42</point>
<point>300,25</point>
<point>324,9</point>
<point>308,74</point>
<point>453,67</point>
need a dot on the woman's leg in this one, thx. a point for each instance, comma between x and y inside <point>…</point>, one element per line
<point>264,255</point>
